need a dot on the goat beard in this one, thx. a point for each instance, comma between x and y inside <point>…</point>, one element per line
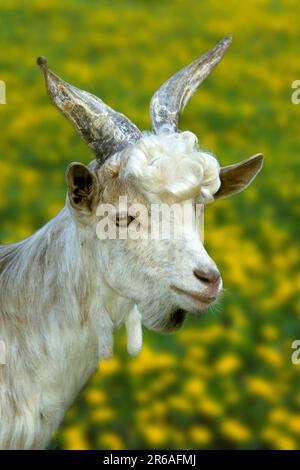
<point>169,324</point>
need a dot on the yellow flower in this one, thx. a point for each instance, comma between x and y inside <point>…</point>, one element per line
<point>227,364</point>
<point>156,434</point>
<point>75,439</point>
<point>109,366</point>
<point>111,441</point>
<point>269,332</point>
<point>212,333</point>
<point>260,387</point>
<point>180,403</point>
<point>196,353</point>
<point>286,443</point>
<point>294,424</point>
<point>278,415</point>
<point>102,415</point>
<point>95,396</point>
<point>209,407</point>
<point>235,430</point>
<point>201,435</point>
<point>165,380</point>
<point>195,387</point>
<point>150,360</point>
<point>269,355</point>
<point>278,440</point>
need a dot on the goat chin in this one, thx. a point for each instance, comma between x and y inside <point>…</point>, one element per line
<point>169,324</point>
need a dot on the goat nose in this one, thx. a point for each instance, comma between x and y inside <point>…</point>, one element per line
<point>211,276</point>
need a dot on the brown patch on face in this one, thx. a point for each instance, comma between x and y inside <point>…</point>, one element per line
<point>112,186</point>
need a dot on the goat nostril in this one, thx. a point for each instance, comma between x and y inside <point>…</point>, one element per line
<point>208,277</point>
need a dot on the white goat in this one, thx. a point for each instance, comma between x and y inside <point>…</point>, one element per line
<point>63,290</point>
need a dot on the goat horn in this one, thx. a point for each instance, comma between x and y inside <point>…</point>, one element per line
<point>103,129</point>
<point>171,98</point>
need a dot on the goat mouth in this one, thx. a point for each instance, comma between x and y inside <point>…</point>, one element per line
<point>204,299</point>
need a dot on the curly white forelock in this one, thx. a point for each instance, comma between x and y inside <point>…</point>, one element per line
<point>171,167</point>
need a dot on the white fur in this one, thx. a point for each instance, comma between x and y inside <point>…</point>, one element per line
<point>134,331</point>
<point>171,167</point>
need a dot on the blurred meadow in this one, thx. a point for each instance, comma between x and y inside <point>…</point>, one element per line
<point>225,380</point>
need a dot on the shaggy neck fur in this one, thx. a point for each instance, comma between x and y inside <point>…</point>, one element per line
<point>34,272</point>
<point>48,309</point>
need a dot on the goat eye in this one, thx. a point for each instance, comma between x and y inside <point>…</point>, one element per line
<point>123,220</point>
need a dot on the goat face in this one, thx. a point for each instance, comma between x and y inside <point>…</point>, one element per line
<point>168,276</point>
<point>165,274</point>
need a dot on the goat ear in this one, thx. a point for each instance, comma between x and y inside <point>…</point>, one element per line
<point>235,178</point>
<point>82,187</point>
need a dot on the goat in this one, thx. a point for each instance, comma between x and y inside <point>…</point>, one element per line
<point>63,290</point>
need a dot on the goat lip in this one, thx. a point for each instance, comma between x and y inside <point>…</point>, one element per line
<point>204,299</point>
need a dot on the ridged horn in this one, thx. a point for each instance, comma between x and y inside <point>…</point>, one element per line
<point>171,98</point>
<point>103,129</point>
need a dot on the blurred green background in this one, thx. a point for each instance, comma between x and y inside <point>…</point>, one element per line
<point>225,380</point>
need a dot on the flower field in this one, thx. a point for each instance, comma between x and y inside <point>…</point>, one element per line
<point>226,379</point>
